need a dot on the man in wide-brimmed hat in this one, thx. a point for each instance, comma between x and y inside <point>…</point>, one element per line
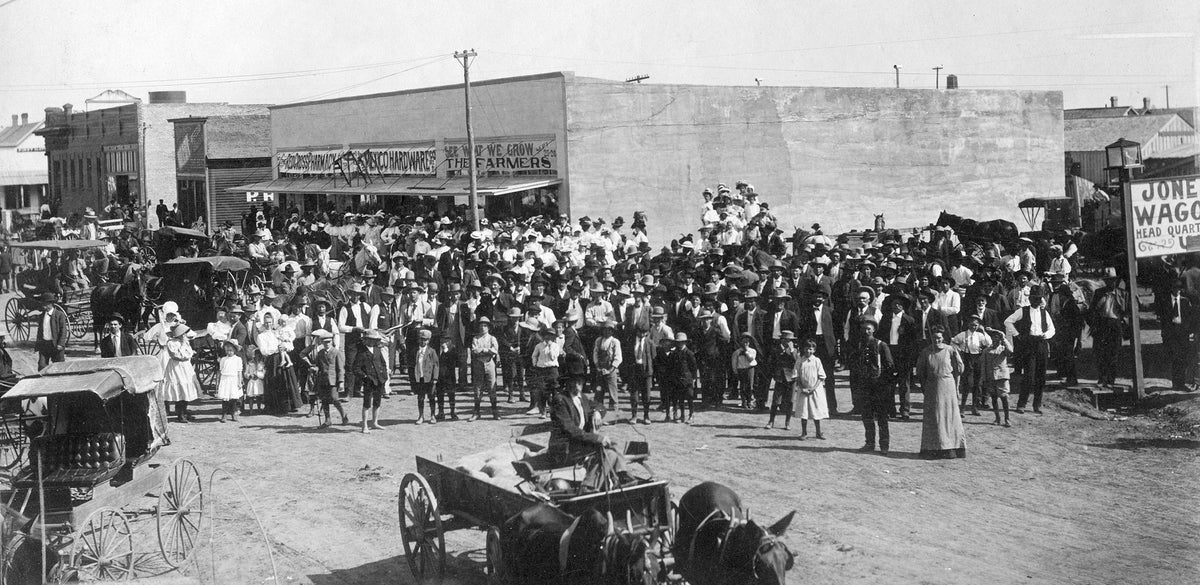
<point>354,318</point>
<point>53,332</point>
<point>1107,319</point>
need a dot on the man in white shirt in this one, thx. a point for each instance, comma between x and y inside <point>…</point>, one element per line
<point>949,302</point>
<point>1031,329</point>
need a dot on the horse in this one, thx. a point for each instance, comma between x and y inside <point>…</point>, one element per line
<point>544,545</point>
<point>996,230</point>
<point>880,223</point>
<point>126,298</point>
<point>716,542</point>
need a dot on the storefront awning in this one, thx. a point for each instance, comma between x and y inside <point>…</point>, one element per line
<point>23,177</point>
<point>426,186</point>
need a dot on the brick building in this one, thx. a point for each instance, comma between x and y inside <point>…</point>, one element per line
<point>126,152</point>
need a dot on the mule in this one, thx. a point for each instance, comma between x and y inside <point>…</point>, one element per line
<point>716,542</point>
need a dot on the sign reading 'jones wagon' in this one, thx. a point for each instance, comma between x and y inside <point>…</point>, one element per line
<point>1166,216</point>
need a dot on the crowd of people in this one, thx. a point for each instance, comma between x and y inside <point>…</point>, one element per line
<point>739,316</point>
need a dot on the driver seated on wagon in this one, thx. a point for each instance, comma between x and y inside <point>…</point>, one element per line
<point>574,419</point>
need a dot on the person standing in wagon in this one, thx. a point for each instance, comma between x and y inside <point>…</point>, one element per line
<point>229,386</point>
<point>180,384</point>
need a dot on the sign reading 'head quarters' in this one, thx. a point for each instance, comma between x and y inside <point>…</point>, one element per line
<point>1166,216</point>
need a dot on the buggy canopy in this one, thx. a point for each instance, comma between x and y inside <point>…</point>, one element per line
<point>60,244</point>
<point>219,263</point>
<point>184,232</point>
<point>104,377</point>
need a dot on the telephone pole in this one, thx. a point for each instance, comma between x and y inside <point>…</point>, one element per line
<point>937,73</point>
<point>465,58</point>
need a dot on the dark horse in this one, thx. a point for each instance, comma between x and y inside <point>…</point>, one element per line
<point>716,543</point>
<point>544,545</point>
<point>996,230</point>
<point>126,298</point>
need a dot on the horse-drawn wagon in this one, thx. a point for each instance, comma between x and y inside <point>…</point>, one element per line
<point>21,313</point>
<point>638,516</point>
<point>88,504</point>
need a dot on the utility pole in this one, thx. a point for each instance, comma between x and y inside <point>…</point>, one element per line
<point>465,58</point>
<point>897,68</point>
<point>1168,90</point>
<point>937,73</point>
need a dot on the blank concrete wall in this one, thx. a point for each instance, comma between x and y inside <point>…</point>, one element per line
<point>830,155</point>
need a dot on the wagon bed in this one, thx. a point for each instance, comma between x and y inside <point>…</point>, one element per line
<point>437,490</point>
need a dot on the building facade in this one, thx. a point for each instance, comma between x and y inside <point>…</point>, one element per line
<point>23,178</point>
<point>215,153</point>
<point>583,146</point>
<point>124,153</point>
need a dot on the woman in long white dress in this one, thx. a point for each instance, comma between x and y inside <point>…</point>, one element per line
<point>180,384</point>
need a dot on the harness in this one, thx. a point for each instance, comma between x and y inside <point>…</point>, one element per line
<point>766,542</point>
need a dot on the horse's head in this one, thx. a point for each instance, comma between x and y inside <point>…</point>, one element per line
<point>758,555</point>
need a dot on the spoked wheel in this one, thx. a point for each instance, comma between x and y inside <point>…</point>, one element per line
<point>497,575</point>
<point>207,372</point>
<point>16,318</point>
<point>80,323</point>
<point>12,445</point>
<point>103,548</point>
<point>421,529</point>
<point>180,510</point>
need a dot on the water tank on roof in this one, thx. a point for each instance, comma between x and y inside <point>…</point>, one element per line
<point>952,81</point>
<point>168,97</point>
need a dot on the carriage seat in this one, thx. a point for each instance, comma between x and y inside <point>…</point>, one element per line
<point>77,460</point>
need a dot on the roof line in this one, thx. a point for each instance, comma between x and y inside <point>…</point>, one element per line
<point>535,77</point>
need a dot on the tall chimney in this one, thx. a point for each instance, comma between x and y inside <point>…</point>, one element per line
<point>1145,103</point>
<point>1113,101</point>
<point>24,119</point>
<point>68,107</point>
<point>14,120</point>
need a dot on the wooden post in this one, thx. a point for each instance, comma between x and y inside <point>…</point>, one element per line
<point>473,198</point>
<point>1139,385</point>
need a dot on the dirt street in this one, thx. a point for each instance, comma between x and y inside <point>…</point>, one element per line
<point>1058,498</point>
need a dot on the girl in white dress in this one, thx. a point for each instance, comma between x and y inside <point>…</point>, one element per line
<point>180,384</point>
<point>255,372</point>
<point>229,388</point>
<point>810,389</point>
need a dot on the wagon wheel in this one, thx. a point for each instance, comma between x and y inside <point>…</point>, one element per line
<point>180,511</point>
<point>206,372</point>
<point>81,324</point>
<point>663,544</point>
<point>421,528</point>
<point>15,317</point>
<point>12,446</point>
<point>496,570</point>
<point>103,548</point>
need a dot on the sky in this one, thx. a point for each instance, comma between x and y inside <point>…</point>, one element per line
<point>54,52</point>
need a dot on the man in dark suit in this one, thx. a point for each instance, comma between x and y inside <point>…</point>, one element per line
<point>638,367</point>
<point>52,332</point>
<point>989,318</point>
<point>899,331</point>
<point>1177,314</point>
<point>816,323</point>
<point>925,317</point>
<point>116,342</point>
<point>574,438</point>
<point>453,325</point>
<point>777,320</point>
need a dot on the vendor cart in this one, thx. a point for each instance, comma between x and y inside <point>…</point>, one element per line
<point>89,504</point>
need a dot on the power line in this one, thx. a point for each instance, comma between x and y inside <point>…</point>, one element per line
<point>368,82</point>
<point>210,80</point>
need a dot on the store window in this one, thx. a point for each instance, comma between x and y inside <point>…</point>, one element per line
<point>15,197</point>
